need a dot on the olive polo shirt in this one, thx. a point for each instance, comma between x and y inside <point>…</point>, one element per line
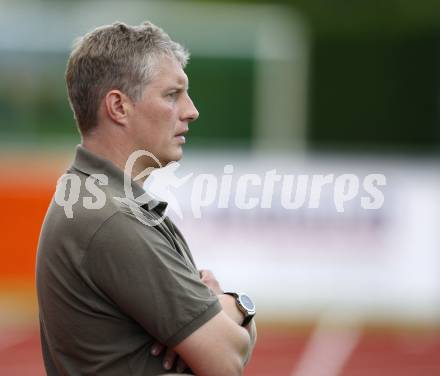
<point>108,285</point>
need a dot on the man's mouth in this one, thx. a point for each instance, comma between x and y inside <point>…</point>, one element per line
<point>181,135</point>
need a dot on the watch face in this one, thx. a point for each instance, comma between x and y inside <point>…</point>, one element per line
<point>247,302</point>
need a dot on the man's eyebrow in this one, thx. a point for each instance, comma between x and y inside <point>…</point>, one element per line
<point>184,82</point>
<point>179,86</point>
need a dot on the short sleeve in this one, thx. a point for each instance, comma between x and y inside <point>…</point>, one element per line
<point>149,280</point>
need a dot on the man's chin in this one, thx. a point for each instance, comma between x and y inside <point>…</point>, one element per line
<point>174,157</point>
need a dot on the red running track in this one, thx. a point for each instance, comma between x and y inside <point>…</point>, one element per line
<point>398,353</point>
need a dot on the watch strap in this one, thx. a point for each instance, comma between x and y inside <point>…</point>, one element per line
<point>247,315</point>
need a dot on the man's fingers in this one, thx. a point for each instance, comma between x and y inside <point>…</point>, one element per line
<point>208,278</point>
<point>157,348</point>
<point>205,273</point>
<point>181,365</point>
<point>169,358</point>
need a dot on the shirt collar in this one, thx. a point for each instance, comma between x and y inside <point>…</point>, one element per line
<point>92,164</point>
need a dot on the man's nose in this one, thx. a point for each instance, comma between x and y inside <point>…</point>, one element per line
<point>191,112</point>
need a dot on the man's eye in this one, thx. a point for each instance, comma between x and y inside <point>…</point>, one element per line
<point>173,94</point>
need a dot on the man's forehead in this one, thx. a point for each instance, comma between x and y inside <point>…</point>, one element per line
<point>170,72</point>
<point>182,78</point>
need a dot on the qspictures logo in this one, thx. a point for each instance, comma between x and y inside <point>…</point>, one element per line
<point>244,191</point>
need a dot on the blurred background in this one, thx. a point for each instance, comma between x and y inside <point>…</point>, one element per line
<point>303,87</point>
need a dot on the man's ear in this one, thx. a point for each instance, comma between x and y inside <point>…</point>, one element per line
<point>118,106</point>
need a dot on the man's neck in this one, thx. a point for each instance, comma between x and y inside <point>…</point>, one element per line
<point>115,151</point>
<point>106,150</point>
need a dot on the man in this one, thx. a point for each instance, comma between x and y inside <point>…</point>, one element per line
<point>118,296</point>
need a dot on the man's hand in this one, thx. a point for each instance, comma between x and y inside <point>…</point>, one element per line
<point>170,357</point>
<point>208,278</point>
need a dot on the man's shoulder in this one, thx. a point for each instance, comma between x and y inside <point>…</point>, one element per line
<point>82,199</point>
<point>86,212</point>
<point>79,207</point>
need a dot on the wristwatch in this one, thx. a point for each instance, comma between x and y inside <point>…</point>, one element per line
<point>245,305</point>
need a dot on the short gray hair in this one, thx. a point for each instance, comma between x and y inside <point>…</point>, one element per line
<point>116,56</point>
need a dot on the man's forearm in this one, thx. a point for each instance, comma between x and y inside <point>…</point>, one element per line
<point>230,308</point>
<point>252,330</point>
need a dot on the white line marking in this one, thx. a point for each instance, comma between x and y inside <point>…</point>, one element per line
<point>328,349</point>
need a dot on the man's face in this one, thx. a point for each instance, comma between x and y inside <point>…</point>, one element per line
<point>160,119</point>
